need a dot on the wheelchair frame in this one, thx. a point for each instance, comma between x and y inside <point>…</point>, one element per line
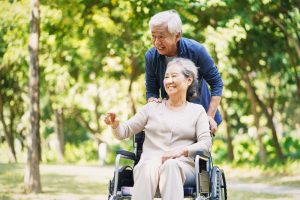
<point>210,180</point>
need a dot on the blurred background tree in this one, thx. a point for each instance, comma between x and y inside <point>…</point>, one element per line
<point>92,61</point>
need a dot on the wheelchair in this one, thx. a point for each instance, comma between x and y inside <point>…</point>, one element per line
<point>210,179</point>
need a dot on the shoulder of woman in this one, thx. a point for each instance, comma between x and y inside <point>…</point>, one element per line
<point>197,107</point>
<point>151,105</point>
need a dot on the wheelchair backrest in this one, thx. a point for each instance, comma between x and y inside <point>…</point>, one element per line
<point>138,145</point>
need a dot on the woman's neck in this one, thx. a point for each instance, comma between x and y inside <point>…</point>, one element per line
<point>176,102</point>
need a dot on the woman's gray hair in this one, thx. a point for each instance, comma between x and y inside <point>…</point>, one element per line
<point>169,17</point>
<point>189,69</point>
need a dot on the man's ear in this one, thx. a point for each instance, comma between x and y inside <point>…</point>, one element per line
<point>178,36</point>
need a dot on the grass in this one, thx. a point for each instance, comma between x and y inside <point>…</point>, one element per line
<point>58,182</point>
<point>287,174</point>
<point>90,182</point>
<point>242,195</point>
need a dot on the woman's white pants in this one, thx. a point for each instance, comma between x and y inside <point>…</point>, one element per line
<point>169,178</point>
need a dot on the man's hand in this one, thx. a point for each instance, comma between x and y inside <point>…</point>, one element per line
<point>213,125</point>
<point>174,154</point>
<point>212,109</point>
<point>153,99</point>
<point>112,120</point>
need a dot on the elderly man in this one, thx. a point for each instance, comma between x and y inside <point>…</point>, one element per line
<point>166,31</point>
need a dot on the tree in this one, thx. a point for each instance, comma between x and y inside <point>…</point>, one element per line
<point>32,173</point>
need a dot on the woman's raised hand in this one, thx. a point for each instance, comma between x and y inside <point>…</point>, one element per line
<point>112,120</point>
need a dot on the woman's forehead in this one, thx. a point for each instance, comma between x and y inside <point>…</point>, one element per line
<point>174,68</point>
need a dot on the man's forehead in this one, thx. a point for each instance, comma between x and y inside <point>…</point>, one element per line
<point>161,29</point>
<point>159,32</point>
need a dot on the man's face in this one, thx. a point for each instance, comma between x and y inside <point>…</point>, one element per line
<point>164,42</point>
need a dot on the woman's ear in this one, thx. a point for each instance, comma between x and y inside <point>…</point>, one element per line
<point>190,81</point>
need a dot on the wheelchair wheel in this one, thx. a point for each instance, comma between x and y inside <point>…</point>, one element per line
<point>223,186</point>
<point>218,185</point>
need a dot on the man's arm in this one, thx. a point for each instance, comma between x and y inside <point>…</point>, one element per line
<point>211,112</point>
<point>152,86</point>
<point>213,78</point>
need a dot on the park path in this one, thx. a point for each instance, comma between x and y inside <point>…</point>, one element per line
<point>264,188</point>
<point>236,185</point>
<point>76,182</point>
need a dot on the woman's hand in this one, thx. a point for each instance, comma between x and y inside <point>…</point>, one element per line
<point>174,154</point>
<point>112,120</point>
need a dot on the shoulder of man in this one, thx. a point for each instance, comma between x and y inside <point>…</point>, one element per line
<point>150,52</point>
<point>192,44</point>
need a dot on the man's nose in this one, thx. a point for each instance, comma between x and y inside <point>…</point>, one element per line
<point>157,41</point>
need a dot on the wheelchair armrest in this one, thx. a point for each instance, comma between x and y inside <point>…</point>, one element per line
<point>201,155</point>
<point>121,154</point>
<point>204,154</point>
<point>126,154</point>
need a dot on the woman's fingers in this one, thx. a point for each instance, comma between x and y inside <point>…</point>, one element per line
<point>171,155</point>
<point>110,118</point>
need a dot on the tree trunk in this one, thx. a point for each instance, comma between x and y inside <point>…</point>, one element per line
<point>98,104</point>
<point>133,107</point>
<point>59,128</point>
<point>133,75</point>
<point>228,132</point>
<point>297,82</point>
<point>262,149</point>
<point>32,173</point>
<point>270,122</point>
<point>8,135</point>
<point>294,44</point>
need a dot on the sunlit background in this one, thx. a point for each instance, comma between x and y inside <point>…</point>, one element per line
<point>92,61</point>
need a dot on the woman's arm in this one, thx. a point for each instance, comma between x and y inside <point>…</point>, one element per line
<point>134,125</point>
<point>203,135</point>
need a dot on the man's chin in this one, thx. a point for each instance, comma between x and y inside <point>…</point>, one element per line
<point>161,52</point>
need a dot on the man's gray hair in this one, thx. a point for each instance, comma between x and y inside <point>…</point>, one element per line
<point>188,69</point>
<point>171,18</point>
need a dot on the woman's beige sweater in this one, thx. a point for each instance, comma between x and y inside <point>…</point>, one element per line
<point>167,129</point>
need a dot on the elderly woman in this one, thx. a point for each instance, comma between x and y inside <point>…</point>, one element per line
<point>174,130</point>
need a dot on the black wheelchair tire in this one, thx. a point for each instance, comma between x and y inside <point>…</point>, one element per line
<point>214,181</point>
<point>223,186</point>
<point>218,190</point>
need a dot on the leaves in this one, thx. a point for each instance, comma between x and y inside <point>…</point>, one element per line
<point>92,58</point>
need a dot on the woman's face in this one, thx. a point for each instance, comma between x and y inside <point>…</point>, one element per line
<point>164,42</point>
<point>176,84</point>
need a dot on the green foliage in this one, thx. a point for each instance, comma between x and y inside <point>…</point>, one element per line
<point>85,152</point>
<point>246,150</point>
<point>291,147</point>
<point>92,61</point>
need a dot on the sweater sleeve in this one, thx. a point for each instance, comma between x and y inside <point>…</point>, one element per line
<point>203,135</point>
<point>134,125</point>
